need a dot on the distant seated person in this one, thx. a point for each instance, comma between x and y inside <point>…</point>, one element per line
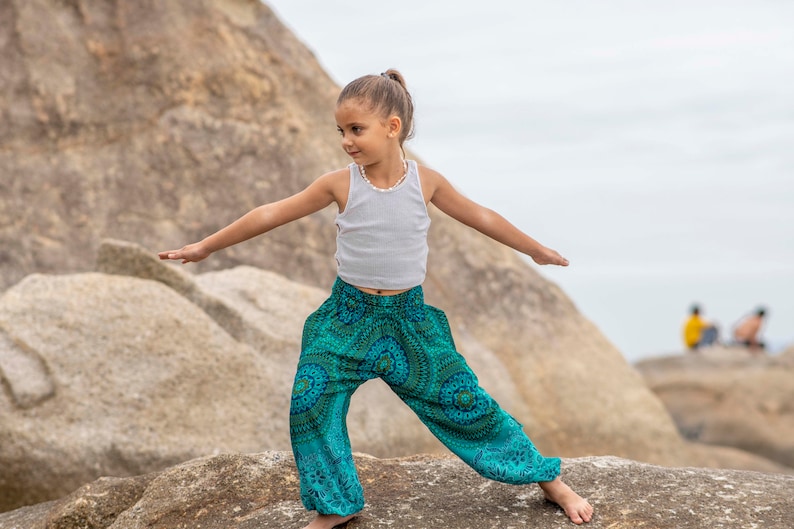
<point>747,332</point>
<point>699,332</point>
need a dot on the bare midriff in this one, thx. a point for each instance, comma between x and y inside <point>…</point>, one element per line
<point>381,292</point>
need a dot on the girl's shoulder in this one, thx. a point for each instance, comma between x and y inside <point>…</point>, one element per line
<point>428,173</point>
<point>430,179</point>
<point>337,184</point>
<point>338,174</point>
<point>335,178</point>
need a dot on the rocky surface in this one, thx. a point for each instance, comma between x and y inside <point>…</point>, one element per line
<point>728,397</point>
<point>235,491</point>
<point>157,122</point>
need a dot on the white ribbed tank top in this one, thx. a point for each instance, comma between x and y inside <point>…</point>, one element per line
<point>381,239</point>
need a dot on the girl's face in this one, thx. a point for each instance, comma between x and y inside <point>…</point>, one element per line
<point>366,136</point>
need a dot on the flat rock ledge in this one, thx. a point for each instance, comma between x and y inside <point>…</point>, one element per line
<point>248,491</point>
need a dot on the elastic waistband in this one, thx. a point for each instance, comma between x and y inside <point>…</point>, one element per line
<point>414,296</point>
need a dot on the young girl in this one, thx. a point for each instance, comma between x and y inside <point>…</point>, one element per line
<point>376,324</point>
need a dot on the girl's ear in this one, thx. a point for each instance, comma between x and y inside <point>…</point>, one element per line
<point>395,125</point>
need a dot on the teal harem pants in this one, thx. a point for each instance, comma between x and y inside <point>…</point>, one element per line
<point>354,337</point>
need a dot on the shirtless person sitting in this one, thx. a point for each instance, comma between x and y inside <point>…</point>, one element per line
<point>747,331</point>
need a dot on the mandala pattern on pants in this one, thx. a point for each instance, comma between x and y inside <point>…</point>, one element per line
<point>354,337</point>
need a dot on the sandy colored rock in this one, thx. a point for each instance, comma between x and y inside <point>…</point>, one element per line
<point>725,396</point>
<point>128,376</point>
<point>261,491</point>
<point>156,123</point>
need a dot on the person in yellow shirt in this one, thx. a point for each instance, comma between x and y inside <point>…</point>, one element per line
<point>699,332</point>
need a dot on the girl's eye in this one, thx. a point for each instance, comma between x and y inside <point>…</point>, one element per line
<point>355,129</point>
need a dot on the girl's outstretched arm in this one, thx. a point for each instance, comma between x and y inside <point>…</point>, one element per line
<point>262,219</point>
<point>446,198</point>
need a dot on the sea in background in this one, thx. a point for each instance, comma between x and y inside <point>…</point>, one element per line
<point>651,143</point>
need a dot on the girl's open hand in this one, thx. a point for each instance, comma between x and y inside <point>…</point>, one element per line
<point>192,253</point>
<point>548,256</point>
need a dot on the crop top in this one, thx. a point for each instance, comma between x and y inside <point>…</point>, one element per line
<point>381,239</point>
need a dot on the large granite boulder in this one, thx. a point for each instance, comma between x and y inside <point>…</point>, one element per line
<point>237,491</point>
<point>157,122</point>
<point>116,376</point>
<point>728,397</point>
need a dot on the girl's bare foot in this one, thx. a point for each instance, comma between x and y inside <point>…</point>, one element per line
<point>328,521</point>
<point>577,508</point>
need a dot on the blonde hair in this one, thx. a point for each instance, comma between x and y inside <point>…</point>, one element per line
<point>387,95</point>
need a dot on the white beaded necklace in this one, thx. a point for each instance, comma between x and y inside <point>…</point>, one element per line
<point>382,190</point>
